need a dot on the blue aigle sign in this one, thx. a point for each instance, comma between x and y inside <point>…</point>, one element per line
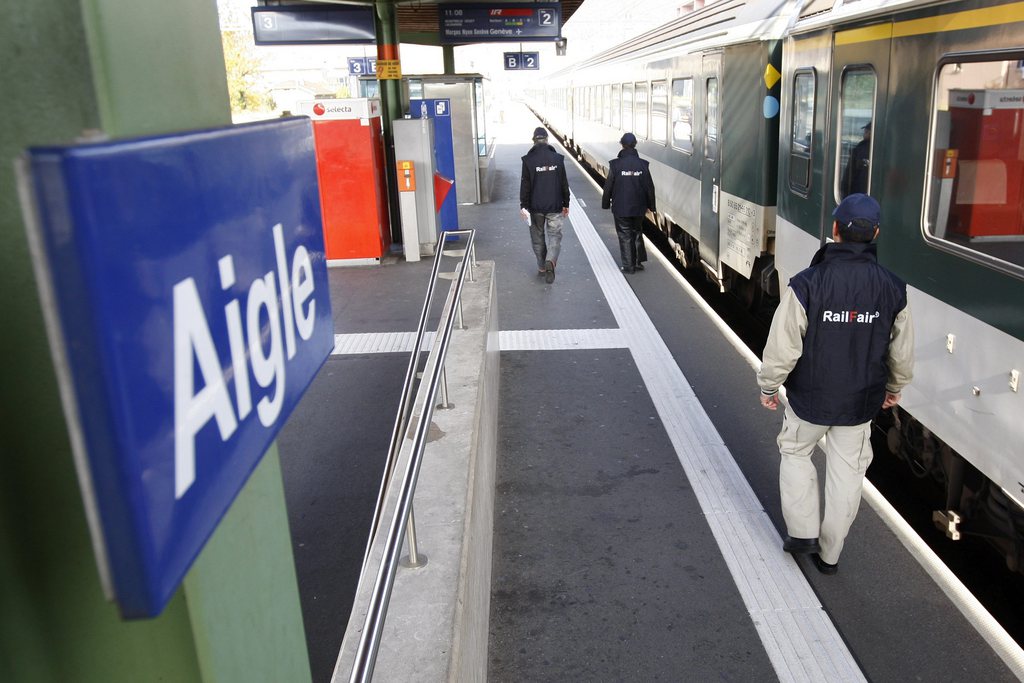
<point>185,285</point>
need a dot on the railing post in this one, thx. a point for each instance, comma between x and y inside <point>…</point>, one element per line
<point>413,559</point>
<point>444,404</point>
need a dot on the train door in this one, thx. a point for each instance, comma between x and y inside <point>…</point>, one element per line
<point>711,160</point>
<point>859,84</point>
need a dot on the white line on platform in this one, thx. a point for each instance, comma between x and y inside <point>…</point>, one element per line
<point>559,340</point>
<point>509,340</point>
<point>801,641</point>
<point>378,342</point>
<point>994,634</point>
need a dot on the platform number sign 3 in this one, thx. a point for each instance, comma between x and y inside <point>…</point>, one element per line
<point>268,21</point>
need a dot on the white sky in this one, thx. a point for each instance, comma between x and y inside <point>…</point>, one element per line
<point>596,25</point>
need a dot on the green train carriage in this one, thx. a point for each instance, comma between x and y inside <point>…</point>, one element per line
<point>749,195</point>
<point>942,85</point>
<point>701,95</point>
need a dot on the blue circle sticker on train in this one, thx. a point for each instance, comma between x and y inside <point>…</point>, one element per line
<point>770,107</point>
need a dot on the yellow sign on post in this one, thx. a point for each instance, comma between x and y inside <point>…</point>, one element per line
<point>389,69</point>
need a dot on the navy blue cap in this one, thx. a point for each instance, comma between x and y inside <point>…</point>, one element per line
<point>858,206</point>
<point>628,139</point>
<point>540,133</point>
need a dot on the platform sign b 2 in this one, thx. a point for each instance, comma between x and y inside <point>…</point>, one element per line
<point>518,61</point>
<point>192,312</point>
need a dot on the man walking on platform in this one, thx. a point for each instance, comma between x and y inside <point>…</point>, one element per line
<point>544,201</point>
<point>843,344</point>
<point>629,193</point>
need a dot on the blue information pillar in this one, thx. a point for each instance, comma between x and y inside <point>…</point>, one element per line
<point>440,110</point>
<point>188,285</point>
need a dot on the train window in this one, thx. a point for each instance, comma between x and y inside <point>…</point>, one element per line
<point>627,107</point>
<point>616,104</point>
<point>856,111</point>
<point>606,105</point>
<point>682,114</point>
<point>711,120</point>
<point>976,175</point>
<point>800,132</point>
<point>659,112</point>
<point>640,109</point>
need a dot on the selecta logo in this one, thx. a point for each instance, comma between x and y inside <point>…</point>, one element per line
<point>320,109</point>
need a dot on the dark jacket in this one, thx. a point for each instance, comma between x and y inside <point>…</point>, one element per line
<point>858,168</point>
<point>851,303</point>
<point>629,189</point>
<point>544,187</point>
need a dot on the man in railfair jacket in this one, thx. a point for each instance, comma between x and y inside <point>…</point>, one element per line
<point>544,201</point>
<point>843,345</point>
<point>629,193</point>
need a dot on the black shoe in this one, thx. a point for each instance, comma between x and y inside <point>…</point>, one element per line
<point>549,272</point>
<point>628,271</point>
<point>801,545</point>
<point>639,266</point>
<point>823,566</point>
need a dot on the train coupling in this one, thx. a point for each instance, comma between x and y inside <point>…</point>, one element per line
<point>948,522</point>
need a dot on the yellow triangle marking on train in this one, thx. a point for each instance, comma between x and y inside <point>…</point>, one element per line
<point>771,76</point>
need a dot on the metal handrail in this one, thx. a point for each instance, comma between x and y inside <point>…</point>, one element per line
<point>373,625</point>
<point>404,406</point>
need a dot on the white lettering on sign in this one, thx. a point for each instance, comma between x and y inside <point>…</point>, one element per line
<point>849,317</point>
<point>263,347</point>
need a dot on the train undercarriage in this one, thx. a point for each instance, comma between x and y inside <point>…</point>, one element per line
<point>966,502</point>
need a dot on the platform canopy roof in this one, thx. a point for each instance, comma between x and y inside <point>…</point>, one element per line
<point>418,19</point>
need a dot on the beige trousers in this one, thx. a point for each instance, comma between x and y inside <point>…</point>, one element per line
<point>847,456</point>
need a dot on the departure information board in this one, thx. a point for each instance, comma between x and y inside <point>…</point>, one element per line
<point>499,23</point>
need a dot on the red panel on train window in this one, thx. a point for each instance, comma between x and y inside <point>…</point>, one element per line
<point>353,186</point>
<point>986,131</point>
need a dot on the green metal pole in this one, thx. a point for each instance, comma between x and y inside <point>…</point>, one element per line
<point>448,55</point>
<point>391,105</point>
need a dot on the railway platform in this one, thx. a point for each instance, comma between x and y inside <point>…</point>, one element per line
<point>636,520</point>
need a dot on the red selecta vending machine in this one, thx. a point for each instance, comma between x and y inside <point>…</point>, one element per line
<point>353,186</point>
